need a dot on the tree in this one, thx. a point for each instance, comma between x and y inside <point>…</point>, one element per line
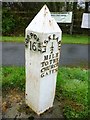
<point>73,17</point>
<point>86,7</point>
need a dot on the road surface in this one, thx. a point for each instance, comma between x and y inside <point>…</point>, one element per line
<point>71,54</point>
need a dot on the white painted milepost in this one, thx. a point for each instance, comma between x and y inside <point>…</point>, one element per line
<point>42,51</point>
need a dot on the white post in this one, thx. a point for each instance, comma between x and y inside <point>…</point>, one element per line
<point>42,51</point>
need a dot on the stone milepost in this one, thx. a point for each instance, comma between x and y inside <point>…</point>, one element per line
<point>42,51</point>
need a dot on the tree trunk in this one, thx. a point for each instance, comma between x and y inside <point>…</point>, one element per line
<point>86,7</point>
<point>73,16</point>
<point>67,6</point>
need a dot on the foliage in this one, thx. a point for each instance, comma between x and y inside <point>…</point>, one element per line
<point>17,15</point>
<point>8,22</point>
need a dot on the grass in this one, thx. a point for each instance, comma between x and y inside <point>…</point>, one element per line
<point>66,38</point>
<point>72,83</point>
<point>13,77</point>
<point>77,39</point>
<point>11,39</point>
<point>71,90</point>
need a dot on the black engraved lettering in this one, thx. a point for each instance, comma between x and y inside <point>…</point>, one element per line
<point>26,42</point>
<point>46,57</point>
<point>42,63</point>
<point>57,39</point>
<point>49,71</point>
<point>52,55</point>
<point>46,63</point>
<point>53,36</point>
<point>42,70</point>
<point>31,34</point>
<point>46,73</point>
<point>37,39</point>
<point>49,56</point>
<point>50,61</point>
<point>30,45</point>
<point>52,71</point>
<point>42,75</point>
<point>52,66</point>
<point>43,49</point>
<point>53,60</point>
<point>45,41</point>
<point>47,68</point>
<point>34,46</point>
<point>28,37</point>
<point>59,45</point>
<point>39,46</point>
<point>51,48</point>
<point>56,54</point>
<point>35,36</point>
<point>49,37</point>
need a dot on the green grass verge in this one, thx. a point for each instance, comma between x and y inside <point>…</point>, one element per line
<point>72,83</point>
<point>71,90</point>
<point>77,39</point>
<point>13,77</point>
<point>12,39</point>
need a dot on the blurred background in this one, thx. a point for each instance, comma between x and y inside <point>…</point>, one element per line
<point>17,15</point>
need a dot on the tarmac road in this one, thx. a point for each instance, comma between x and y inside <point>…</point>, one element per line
<point>71,54</point>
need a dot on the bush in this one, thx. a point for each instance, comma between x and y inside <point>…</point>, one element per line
<point>8,22</point>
